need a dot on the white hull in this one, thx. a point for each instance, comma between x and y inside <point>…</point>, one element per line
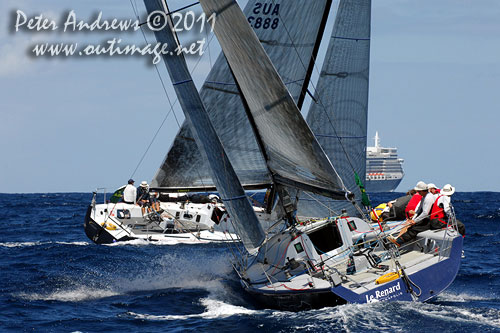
<point>188,223</point>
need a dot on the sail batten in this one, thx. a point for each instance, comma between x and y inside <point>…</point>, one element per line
<point>222,173</point>
<point>293,154</point>
<point>290,46</point>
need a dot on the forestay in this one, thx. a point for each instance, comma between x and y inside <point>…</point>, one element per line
<point>338,118</point>
<point>228,185</point>
<point>288,30</point>
<point>294,156</point>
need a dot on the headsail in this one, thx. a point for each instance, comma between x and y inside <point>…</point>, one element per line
<point>290,44</point>
<point>228,185</point>
<point>338,119</point>
<point>294,156</point>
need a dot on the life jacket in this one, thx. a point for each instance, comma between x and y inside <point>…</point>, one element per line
<point>412,204</point>
<point>437,213</point>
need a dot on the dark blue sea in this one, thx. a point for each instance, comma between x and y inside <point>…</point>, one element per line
<point>54,279</point>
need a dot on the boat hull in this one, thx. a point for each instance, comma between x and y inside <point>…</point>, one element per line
<point>428,280</point>
<point>431,282</point>
<point>389,185</point>
<point>97,233</point>
<point>297,300</point>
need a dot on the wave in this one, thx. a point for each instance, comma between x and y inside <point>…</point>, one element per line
<point>214,309</point>
<point>74,295</point>
<point>180,271</point>
<point>391,316</point>
<point>168,272</point>
<point>461,297</point>
<point>488,317</point>
<point>38,243</point>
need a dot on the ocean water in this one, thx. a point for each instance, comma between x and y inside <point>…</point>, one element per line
<point>54,279</point>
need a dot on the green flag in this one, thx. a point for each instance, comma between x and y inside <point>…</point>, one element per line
<point>117,196</point>
<point>364,197</point>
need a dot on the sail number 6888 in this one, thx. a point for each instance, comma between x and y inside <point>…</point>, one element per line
<point>263,23</point>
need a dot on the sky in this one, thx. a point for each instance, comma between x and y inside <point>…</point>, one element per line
<point>73,124</point>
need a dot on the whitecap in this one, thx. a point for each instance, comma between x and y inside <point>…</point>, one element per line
<point>20,244</point>
<point>489,317</point>
<point>215,309</point>
<point>69,295</point>
<point>28,244</point>
<point>461,297</point>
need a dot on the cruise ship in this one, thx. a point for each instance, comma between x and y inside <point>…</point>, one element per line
<point>384,169</point>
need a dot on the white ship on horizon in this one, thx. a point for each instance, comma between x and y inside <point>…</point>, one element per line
<point>384,170</point>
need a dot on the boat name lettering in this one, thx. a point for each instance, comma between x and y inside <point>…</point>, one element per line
<point>266,16</point>
<point>384,294</point>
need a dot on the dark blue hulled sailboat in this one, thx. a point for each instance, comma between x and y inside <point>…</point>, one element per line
<point>313,261</point>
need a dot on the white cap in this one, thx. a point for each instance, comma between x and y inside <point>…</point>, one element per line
<point>213,197</point>
<point>144,183</point>
<point>431,185</point>
<point>448,190</point>
<point>421,186</point>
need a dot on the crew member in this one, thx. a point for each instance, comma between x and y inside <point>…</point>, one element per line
<point>441,211</point>
<point>414,201</point>
<point>143,197</point>
<point>130,192</point>
<point>420,222</point>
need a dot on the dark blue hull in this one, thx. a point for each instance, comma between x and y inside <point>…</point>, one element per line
<point>430,282</point>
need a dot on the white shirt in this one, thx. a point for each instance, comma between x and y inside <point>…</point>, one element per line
<point>444,202</point>
<point>428,201</point>
<point>130,193</point>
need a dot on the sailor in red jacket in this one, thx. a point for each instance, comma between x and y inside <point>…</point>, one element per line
<point>415,199</point>
<point>441,210</point>
<point>420,221</point>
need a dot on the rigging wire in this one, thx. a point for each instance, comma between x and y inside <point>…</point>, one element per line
<point>172,105</point>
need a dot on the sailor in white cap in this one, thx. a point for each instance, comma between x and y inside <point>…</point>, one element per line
<point>420,189</point>
<point>441,210</point>
<point>143,197</point>
<point>433,188</point>
<point>420,221</point>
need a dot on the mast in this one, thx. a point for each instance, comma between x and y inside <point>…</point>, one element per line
<point>223,174</point>
<point>317,44</point>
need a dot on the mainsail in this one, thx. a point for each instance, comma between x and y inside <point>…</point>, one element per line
<point>289,31</point>
<point>228,185</point>
<point>338,117</point>
<point>293,155</point>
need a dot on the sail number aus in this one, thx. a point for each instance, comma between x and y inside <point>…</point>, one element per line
<point>265,16</point>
